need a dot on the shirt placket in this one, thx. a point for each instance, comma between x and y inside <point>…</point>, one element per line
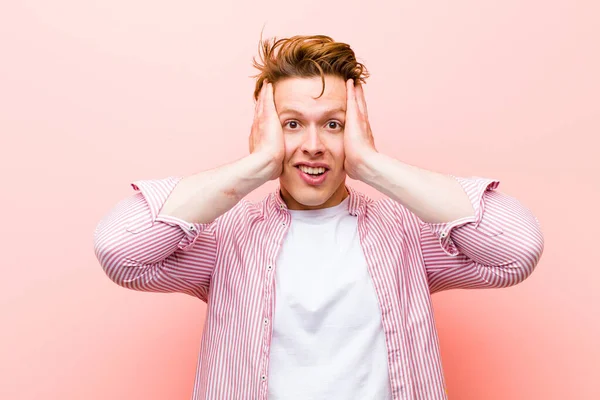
<point>269,302</point>
<point>385,304</point>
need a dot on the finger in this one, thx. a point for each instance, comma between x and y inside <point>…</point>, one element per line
<point>269,103</point>
<point>261,97</point>
<point>257,104</point>
<point>362,103</point>
<point>351,106</point>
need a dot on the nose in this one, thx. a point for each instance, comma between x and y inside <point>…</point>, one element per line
<point>312,144</point>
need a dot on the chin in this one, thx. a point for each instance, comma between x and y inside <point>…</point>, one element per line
<point>306,196</point>
<point>311,199</point>
<point>309,196</point>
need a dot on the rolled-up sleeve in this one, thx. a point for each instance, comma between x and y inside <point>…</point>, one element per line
<point>155,193</point>
<point>141,249</point>
<point>498,246</point>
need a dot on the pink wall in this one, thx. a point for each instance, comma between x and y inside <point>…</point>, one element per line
<point>94,95</point>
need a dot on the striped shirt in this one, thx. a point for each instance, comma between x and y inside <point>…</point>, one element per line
<point>230,263</point>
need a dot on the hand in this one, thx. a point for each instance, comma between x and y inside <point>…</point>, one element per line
<point>266,135</point>
<point>358,138</point>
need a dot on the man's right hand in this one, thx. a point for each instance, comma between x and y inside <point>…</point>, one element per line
<point>266,135</point>
<point>205,196</point>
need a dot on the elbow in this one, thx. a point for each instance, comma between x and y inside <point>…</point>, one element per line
<point>533,248</point>
<point>124,245</point>
<point>526,257</point>
<point>110,260</point>
<point>113,258</point>
<point>528,262</point>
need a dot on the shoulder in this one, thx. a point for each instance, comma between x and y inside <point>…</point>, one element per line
<point>362,203</point>
<point>247,212</point>
<point>385,210</point>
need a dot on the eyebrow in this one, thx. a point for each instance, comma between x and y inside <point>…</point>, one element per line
<point>287,110</point>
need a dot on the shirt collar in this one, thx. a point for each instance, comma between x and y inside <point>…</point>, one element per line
<point>356,201</point>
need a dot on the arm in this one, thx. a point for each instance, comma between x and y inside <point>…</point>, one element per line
<point>203,197</point>
<point>498,247</point>
<point>471,235</point>
<point>164,238</point>
<point>431,196</point>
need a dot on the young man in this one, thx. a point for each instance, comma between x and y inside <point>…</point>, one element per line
<point>317,291</point>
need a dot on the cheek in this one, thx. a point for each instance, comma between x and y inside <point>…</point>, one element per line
<point>290,146</point>
<point>336,148</point>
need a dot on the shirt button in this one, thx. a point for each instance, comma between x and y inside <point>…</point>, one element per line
<point>281,206</point>
<point>266,321</point>
<point>443,234</point>
<point>192,228</point>
<point>269,267</point>
<point>263,378</point>
<point>283,223</point>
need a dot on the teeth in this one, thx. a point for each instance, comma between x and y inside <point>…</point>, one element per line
<point>312,171</point>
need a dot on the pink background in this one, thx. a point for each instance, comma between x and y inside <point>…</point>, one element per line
<point>96,94</point>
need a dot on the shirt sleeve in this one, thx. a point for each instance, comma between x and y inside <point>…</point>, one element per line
<point>497,247</point>
<point>142,250</point>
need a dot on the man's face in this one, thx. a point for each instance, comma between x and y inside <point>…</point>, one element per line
<point>313,135</point>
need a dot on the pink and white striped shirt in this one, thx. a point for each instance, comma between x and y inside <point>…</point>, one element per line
<point>230,264</point>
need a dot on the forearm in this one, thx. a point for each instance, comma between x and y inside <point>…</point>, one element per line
<point>203,197</point>
<point>431,196</point>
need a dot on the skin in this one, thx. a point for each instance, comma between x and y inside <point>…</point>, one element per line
<point>313,136</point>
<point>276,146</point>
<point>313,131</point>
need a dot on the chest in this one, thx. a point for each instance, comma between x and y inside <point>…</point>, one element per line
<point>352,254</point>
<point>322,270</point>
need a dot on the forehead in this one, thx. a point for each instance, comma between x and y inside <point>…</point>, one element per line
<point>300,94</point>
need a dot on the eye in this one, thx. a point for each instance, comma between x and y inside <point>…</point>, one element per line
<point>291,124</point>
<point>334,125</point>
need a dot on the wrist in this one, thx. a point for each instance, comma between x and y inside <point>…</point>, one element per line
<point>368,166</point>
<point>266,166</point>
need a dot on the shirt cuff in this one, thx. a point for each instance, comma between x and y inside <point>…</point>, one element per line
<point>155,193</point>
<point>475,188</point>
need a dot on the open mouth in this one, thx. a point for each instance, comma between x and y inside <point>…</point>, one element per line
<point>312,175</point>
<point>318,171</point>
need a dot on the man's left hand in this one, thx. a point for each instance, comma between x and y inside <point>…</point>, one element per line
<point>358,138</point>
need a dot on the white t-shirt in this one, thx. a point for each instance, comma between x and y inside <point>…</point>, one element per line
<point>328,341</point>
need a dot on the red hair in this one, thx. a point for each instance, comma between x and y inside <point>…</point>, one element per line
<point>306,57</point>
